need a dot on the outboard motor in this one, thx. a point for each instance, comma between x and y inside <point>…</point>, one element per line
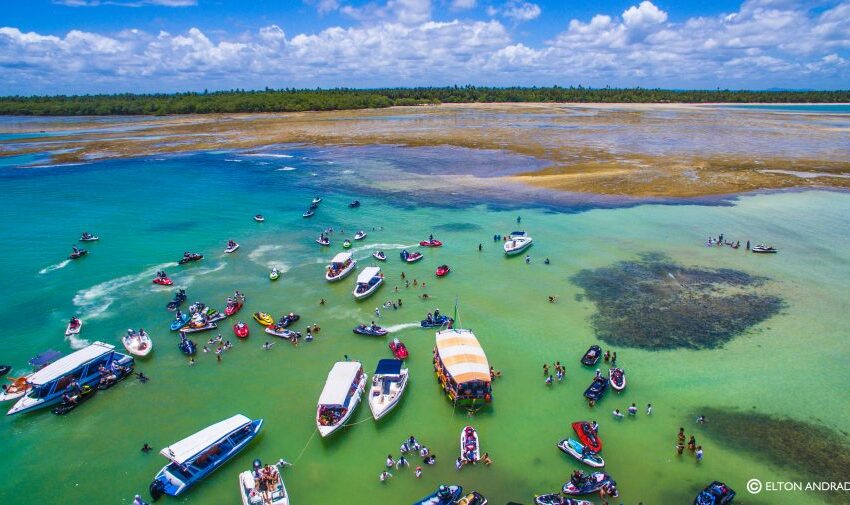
<point>156,489</point>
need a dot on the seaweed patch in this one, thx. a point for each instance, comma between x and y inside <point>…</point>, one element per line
<point>655,303</point>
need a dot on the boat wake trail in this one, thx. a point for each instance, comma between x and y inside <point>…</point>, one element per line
<point>268,155</point>
<point>403,326</point>
<point>186,280</point>
<point>380,247</point>
<point>61,264</point>
<point>260,256</point>
<point>285,169</point>
<point>76,342</point>
<point>94,301</point>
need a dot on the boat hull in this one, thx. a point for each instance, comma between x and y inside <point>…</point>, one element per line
<point>345,272</point>
<point>368,292</point>
<point>326,431</point>
<point>518,248</point>
<point>379,409</point>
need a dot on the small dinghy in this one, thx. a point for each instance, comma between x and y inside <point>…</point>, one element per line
<point>517,242</point>
<point>77,253</point>
<point>716,493</point>
<point>764,249</point>
<point>369,280</point>
<point>263,485</point>
<point>180,321</point>
<point>264,318</point>
<point>596,389</point>
<point>379,255</point>
<point>371,329</point>
<point>354,204</point>
<point>470,450</point>
<point>398,349</point>
<point>473,498</point>
<point>360,235</point>
<point>410,257</point>
<point>259,218</point>
<point>558,499</point>
<point>617,378</point>
<point>444,495</point>
<point>323,241</point>
<point>88,237</point>
<point>340,266</point>
<point>443,270</point>
<point>340,396</point>
<point>137,343</point>
<point>241,330</point>
<point>70,402</point>
<point>232,246</point>
<point>589,484</point>
<point>189,257</point>
<point>587,435</point>
<point>274,274</point>
<point>575,449</point>
<point>187,346</point>
<point>431,242</point>
<point>281,332</point>
<point>388,384</point>
<point>74,327</point>
<point>591,357</point>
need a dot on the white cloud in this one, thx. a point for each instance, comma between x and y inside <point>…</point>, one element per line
<point>516,10</point>
<point>463,4</point>
<point>324,6</point>
<point>766,43</point>
<point>127,3</point>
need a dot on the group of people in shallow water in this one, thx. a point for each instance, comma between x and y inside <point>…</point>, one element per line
<point>719,241</point>
<point>692,446</point>
<point>409,446</point>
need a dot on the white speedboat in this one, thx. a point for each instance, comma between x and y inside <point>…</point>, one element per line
<point>388,384</point>
<point>340,266</point>
<point>74,326</point>
<point>340,396</point>
<point>263,485</point>
<point>517,242</point>
<point>369,280</point>
<point>232,246</point>
<point>137,343</point>
<point>360,235</point>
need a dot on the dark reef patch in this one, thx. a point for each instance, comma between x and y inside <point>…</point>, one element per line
<point>811,452</point>
<point>457,227</point>
<point>654,303</point>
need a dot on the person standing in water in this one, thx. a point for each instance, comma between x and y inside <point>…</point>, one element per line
<point>518,219</point>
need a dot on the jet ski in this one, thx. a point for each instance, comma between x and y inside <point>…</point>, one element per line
<point>231,246</point>
<point>240,329</point>
<point>398,349</point>
<point>323,241</point>
<point>179,321</point>
<point>354,204</point>
<point>379,255</point>
<point>263,318</point>
<point>410,257</point>
<point>588,437</point>
<point>617,378</point>
<point>444,495</point>
<point>74,327</point>
<point>308,213</point>
<point>589,484</point>
<point>716,493</point>
<point>178,300</point>
<point>187,347</point>
<point>763,249</point>
<point>443,270</point>
<point>281,332</point>
<point>287,320</point>
<point>114,378</point>
<point>596,389</point>
<point>372,330</point>
<point>591,357</point>
<point>558,499</point>
<point>575,449</point>
<point>72,402</point>
<point>78,253</point>
<point>162,279</point>
<point>360,235</point>
<point>88,237</point>
<point>234,305</point>
<point>259,218</point>
<point>430,243</point>
<point>190,257</point>
<point>435,322</point>
<point>473,498</point>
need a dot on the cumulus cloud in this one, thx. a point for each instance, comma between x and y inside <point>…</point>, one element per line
<point>516,10</point>
<point>463,4</point>
<point>765,43</point>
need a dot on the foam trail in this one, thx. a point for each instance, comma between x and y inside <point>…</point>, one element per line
<point>380,247</point>
<point>77,342</point>
<point>285,169</point>
<point>61,264</point>
<point>268,155</point>
<point>259,254</point>
<point>188,279</point>
<point>94,301</point>
<point>403,326</point>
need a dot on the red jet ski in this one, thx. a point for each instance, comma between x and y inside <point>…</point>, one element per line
<point>431,243</point>
<point>587,436</point>
<point>399,349</point>
<point>240,329</point>
<point>163,281</point>
<point>443,270</point>
<point>234,305</point>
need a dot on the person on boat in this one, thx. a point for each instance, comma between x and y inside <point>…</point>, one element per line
<point>594,426</point>
<point>618,414</point>
<point>431,238</point>
<point>577,477</point>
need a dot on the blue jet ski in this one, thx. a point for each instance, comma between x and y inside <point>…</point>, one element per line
<point>444,495</point>
<point>179,322</point>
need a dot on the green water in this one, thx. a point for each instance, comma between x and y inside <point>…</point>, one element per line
<point>147,212</point>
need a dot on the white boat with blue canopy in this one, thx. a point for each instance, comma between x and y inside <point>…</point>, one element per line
<point>81,368</point>
<point>517,242</point>
<point>369,280</point>
<point>198,455</point>
<point>388,384</point>
<point>340,396</point>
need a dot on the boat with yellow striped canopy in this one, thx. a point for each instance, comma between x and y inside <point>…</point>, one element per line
<point>462,367</point>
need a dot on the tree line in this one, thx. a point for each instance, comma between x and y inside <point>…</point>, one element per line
<point>295,100</point>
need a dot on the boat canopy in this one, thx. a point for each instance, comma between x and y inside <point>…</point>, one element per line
<point>339,382</point>
<point>367,273</point>
<point>388,367</point>
<point>66,365</point>
<point>45,358</point>
<point>517,234</point>
<point>462,356</point>
<point>191,446</point>
<point>341,257</point>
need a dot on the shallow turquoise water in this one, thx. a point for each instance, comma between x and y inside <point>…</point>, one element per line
<point>148,211</point>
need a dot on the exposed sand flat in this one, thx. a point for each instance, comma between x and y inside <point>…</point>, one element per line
<point>643,150</point>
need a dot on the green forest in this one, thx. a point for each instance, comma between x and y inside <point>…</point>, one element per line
<point>294,100</point>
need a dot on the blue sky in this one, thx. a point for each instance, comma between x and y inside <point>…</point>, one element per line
<point>87,46</point>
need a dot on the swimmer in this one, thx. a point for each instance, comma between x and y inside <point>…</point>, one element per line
<point>418,472</point>
<point>486,459</point>
<point>618,414</point>
<point>632,409</point>
<point>549,380</point>
<point>390,461</point>
<point>385,475</point>
<point>458,464</point>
